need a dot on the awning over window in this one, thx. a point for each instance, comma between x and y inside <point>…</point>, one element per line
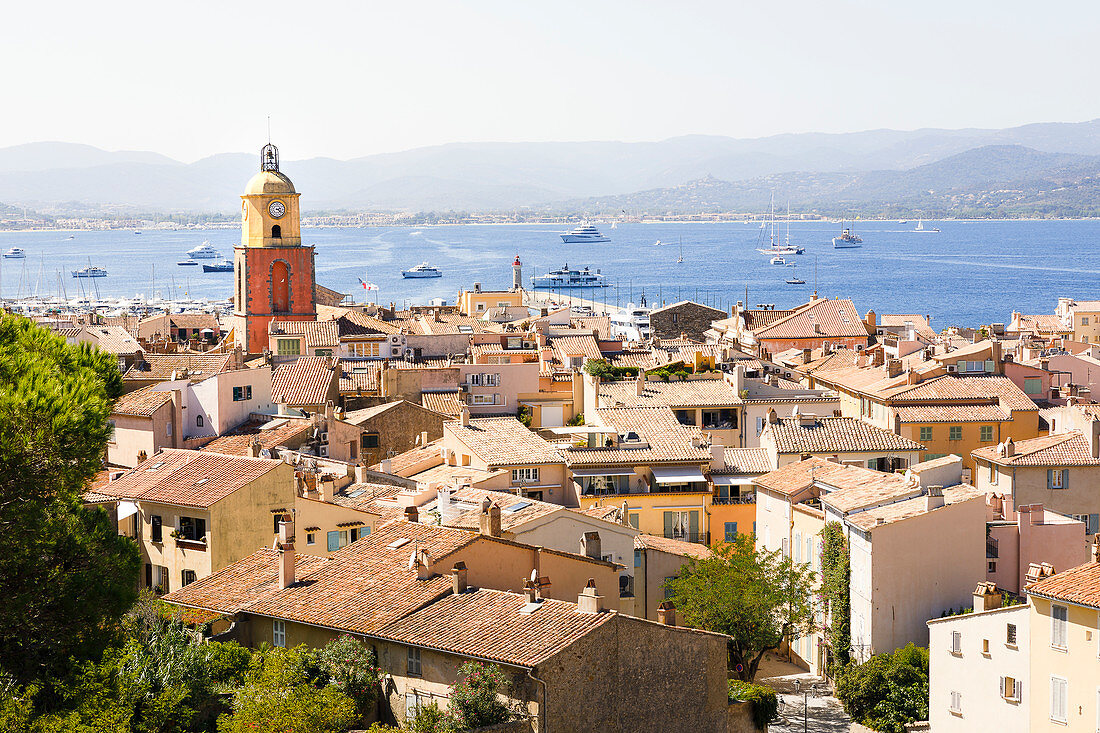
<point>677,474</point>
<point>602,472</point>
<point>126,509</point>
<point>731,480</point>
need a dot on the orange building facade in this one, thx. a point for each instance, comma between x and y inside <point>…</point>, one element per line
<point>274,273</point>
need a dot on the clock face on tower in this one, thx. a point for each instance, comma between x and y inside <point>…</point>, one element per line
<point>276,209</point>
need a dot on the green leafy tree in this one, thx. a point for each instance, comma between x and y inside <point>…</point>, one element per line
<point>352,666</point>
<point>888,690</point>
<point>66,574</point>
<point>755,597</point>
<point>286,691</point>
<point>836,574</point>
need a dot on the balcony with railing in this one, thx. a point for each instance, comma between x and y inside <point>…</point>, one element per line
<point>688,536</point>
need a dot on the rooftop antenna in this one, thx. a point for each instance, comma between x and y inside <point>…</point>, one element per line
<point>269,129</point>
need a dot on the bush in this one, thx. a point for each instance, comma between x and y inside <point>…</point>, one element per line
<point>888,690</point>
<point>524,416</point>
<point>352,666</point>
<point>577,420</point>
<point>227,663</point>
<point>287,690</point>
<point>474,699</point>
<point>430,719</point>
<point>765,703</point>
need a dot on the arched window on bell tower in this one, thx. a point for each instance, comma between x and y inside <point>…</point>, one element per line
<point>277,232</point>
<point>280,287</point>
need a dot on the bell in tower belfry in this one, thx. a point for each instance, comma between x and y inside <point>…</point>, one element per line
<point>274,273</point>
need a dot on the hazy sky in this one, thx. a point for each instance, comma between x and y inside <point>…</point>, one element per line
<point>190,79</point>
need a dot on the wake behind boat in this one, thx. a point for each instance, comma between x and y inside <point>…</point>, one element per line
<point>566,278</point>
<point>584,233</point>
<point>422,270</point>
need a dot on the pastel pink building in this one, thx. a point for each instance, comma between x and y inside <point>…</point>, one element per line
<point>1031,534</point>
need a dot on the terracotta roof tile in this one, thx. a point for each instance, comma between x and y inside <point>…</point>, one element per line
<point>745,461</point>
<point>143,402</point>
<point>692,393</point>
<point>269,434</point>
<point>1000,390</point>
<point>797,477</point>
<point>445,403</point>
<point>1080,585</point>
<point>951,413</point>
<point>890,513</point>
<point>318,334</point>
<point>307,380</point>
<point>189,478</point>
<point>488,624</point>
<point>835,435</point>
<point>671,546</point>
<point>529,509</point>
<point>568,346</point>
<point>1060,449</point>
<point>503,441</point>
<point>240,583</point>
<point>819,319</point>
<point>196,367</point>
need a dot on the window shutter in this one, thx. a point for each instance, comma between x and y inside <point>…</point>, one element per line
<point>1050,478</point>
<point>1018,690</point>
<point>1004,687</point>
<point>1065,479</point>
<point>693,524</point>
<point>1094,523</point>
<point>670,523</point>
<point>333,541</point>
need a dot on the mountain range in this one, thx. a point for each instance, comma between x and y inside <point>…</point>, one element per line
<point>952,170</point>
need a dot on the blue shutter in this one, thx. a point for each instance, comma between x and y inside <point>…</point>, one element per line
<point>333,541</point>
<point>1050,478</point>
<point>1093,528</point>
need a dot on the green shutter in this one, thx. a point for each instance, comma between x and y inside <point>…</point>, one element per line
<point>1050,478</point>
<point>670,523</point>
<point>333,541</point>
<point>693,524</point>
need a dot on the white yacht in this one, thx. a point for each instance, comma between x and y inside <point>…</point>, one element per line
<point>920,227</point>
<point>15,253</point>
<point>422,270</point>
<point>203,252</point>
<point>769,234</point>
<point>631,323</point>
<point>566,278</point>
<point>90,271</point>
<point>584,233</point>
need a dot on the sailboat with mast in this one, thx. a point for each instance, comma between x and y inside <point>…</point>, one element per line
<point>681,257</point>
<point>774,247</point>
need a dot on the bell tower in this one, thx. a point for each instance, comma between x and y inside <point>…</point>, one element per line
<point>274,273</point>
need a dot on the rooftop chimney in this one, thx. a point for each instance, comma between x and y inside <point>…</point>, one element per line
<point>666,613</point>
<point>1009,447</point>
<point>591,545</point>
<point>934,499</point>
<point>360,473</point>
<point>1095,549</point>
<point>423,565</point>
<point>326,489</point>
<point>464,417</point>
<point>458,578</point>
<point>986,597</point>
<point>531,591</point>
<point>893,367</point>
<point>412,514</point>
<point>490,518</point>
<point>639,383</point>
<point>385,465</point>
<point>285,545</point>
<point>589,599</point>
<point>254,449</point>
<point>717,456</point>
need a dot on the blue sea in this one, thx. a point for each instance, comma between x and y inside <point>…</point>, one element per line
<point>970,273</point>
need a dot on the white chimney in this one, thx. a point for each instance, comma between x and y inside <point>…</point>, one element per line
<point>285,546</point>
<point>589,599</point>
<point>384,465</point>
<point>464,417</point>
<point>717,456</point>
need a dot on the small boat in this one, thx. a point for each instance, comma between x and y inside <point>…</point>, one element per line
<point>778,261</point>
<point>658,243</point>
<point>137,232</point>
<point>614,225</point>
<point>566,278</point>
<point>920,227</point>
<point>583,234</point>
<point>90,271</point>
<point>847,240</point>
<point>203,252</point>
<point>72,236</point>
<point>219,266</point>
<point>422,270</point>
<point>186,263</point>
<point>681,257</point>
<point>795,280</point>
<point>15,253</point>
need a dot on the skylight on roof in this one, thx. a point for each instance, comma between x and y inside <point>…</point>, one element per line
<point>360,492</point>
<point>398,543</point>
<point>155,466</point>
<point>529,608</point>
<point>202,481</point>
<point>517,506</point>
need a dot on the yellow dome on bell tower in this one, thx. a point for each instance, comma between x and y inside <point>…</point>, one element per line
<point>269,206</point>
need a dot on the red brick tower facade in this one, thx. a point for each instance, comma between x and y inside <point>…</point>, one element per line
<point>274,274</point>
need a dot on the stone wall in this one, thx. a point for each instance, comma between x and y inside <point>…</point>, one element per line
<point>691,319</point>
<point>632,675</point>
<point>739,718</point>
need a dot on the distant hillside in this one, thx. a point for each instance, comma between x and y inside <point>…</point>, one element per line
<point>990,181</point>
<point>504,176</point>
